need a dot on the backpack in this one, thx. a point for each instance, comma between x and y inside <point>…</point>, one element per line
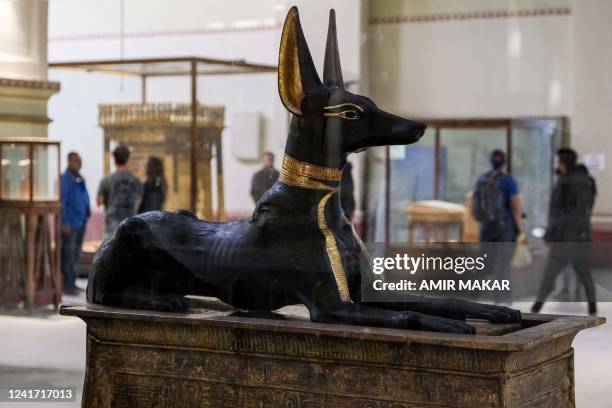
<point>488,201</point>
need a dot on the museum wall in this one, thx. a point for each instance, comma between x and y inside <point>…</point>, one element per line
<point>238,29</point>
<point>592,96</point>
<point>422,59</point>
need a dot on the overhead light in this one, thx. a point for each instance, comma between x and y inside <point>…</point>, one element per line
<point>216,26</point>
<point>246,23</point>
<point>555,91</point>
<point>515,44</point>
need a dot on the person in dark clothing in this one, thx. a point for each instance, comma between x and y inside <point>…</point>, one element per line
<point>564,295</point>
<point>497,206</point>
<point>347,199</point>
<point>265,178</point>
<point>569,227</point>
<point>74,216</point>
<point>155,187</point>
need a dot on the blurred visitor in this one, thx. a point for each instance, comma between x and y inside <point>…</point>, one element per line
<point>496,206</point>
<point>119,192</point>
<point>155,187</point>
<point>569,227</point>
<point>347,199</point>
<point>75,212</point>
<point>265,178</point>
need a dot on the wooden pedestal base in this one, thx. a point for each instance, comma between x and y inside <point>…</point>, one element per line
<point>220,359</point>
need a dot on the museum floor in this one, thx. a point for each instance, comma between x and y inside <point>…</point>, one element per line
<point>49,350</point>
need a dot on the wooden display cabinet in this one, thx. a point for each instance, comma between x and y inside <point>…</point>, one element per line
<point>29,222</point>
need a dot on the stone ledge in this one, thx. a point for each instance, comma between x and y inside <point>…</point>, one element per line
<point>536,328</point>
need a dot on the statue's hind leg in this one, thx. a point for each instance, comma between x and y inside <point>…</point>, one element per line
<point>130,272</point>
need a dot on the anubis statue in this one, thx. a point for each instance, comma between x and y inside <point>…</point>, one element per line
<point>297,247</point>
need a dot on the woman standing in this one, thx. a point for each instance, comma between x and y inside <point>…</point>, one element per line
<point>154,191</point>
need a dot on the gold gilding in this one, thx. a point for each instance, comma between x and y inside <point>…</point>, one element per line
<point>289,76</point>
<point>294,179</point>
<point>311,170</point>
<point>352,105</point>
<point>296,173</point>
<point>332,250</point>
<point>352,113</point>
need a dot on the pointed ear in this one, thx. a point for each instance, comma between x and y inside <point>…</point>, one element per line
<point>332,71</point>
<point>297,76</point>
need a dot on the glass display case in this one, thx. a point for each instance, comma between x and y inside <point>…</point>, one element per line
<point>445,165</point>
<point>29,170</point>
<point>29,222</point>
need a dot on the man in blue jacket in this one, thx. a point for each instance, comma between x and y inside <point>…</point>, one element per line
<point>75,212</point>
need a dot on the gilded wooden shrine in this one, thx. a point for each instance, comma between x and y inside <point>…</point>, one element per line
<point>164,130</point>
<point>29,222</point>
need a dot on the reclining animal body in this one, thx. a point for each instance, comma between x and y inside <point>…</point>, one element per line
<point>297,248</point>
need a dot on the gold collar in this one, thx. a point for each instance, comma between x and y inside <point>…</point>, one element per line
<point>301,174</point>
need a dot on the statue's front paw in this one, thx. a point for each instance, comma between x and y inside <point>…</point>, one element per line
<point>439,324</point>
<point>179,305</point>
<point>168,303</point>
<point>494,314</point>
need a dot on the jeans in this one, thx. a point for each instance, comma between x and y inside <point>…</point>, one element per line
<point>72,245</point>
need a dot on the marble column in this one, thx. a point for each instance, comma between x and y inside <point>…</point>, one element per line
<point>24,89</point>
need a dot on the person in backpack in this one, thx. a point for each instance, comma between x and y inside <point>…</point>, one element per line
<point>569,227</point>
<point>119,192</point>
<point>496,205</point>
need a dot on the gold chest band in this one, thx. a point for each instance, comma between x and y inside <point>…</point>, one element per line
<point>331,247</point>
<point>296,173</point>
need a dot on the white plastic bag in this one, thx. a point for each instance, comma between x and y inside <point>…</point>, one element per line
<point>521,257</point>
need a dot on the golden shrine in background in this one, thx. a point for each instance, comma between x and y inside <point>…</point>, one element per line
<point>164,130</point>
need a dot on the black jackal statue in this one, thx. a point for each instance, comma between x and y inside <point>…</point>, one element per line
<point>297,246</point>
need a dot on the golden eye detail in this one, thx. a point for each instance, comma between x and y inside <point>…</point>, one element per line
<point>347,114</point>
<point>350,114</point>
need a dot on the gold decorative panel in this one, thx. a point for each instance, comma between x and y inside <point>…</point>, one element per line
<point>164,130</point>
